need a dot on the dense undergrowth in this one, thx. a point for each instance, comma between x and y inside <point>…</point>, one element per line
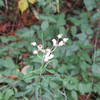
<point>73,73</point>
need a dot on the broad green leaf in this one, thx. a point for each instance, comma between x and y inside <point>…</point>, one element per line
<point>85,87</point>
<point>61,19</point>
<point>8,94</point>
<point>9,63</point>
<point>51,71</point>
<point>70,83</point>
<point>90,4</point>
<point>25,33</point>
<point>54,85</point>
<point>73,30</point>
<point>95,17</point>
<point>7,39</point>
<point>96,70</point>
<point>1,96</point>
<point>97,53</point>
<point>84,56</point>
<point>74,95</point>
<point>44,25</point>
<point>62,30</point>
<point>97,88</point>
<point>54,62</point>
<point>84,66</point>
<point>62,69</point>
<point>47,96</point>
<point>1,3</point>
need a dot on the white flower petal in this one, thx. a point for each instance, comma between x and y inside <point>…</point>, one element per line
<point>65,39</point>
<point>54,42</point>
<point>51,56</point>
<point>48,50</point>
<point>61,43</point>
<point>33,43</point>
<point>35,52</point>
<point>46,59</point>
<point>40,46</point>
<point>60,36</point>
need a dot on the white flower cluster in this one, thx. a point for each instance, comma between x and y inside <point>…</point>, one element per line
<point>48,52</point>
<point>60,41</point>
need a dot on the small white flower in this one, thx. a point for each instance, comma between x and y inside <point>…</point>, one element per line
<point>33,43</point>
<point>46,59</point>
<point>60,36</point>
<point>65,39</point>
<point>54,42</point>
<point>40,46</point>
<point>61,43</point>
<point>48,50</point>
<point>47,53</point>
<point>51,56</point>
<point>35,52</point>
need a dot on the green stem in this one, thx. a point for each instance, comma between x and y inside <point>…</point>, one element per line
<point>58,6</point>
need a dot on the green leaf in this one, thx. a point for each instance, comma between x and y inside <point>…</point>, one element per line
<point>84,56</point>
<point>1,96</point>
<point>97,53</point>
<point>85,87</point>
<point>62,69</point>
<point>82,36</point>
<point>73,30</point>
<point>97,88</point>
<point>70,83</point>
<point>8,94</point>
<point>84,66</point>
<point>25,33</point>
<point>1,3</point>
<point>7,39</point>
<point>61,19</point>
<point>95,17</point>
<point>74,95</point>
<point>74,20</point>
<point>90,4</point>
<point>37,59</point>
<point>44,25</point>
<point>62,30</point>
<point>47,96</point>
<point>54,62</point>
<point>96,70</point>
<point>9,63</point>
<point>54,85</point>
<point>51,71</point>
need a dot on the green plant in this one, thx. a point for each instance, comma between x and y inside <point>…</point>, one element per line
<point>74,71</point>
<point>1,3</point>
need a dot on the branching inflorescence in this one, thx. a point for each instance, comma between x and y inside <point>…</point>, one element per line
<point>48,52</point>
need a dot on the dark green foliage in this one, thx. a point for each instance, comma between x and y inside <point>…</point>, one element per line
<point>75,69</point>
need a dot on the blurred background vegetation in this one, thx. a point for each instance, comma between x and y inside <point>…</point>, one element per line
<point>74,73</point>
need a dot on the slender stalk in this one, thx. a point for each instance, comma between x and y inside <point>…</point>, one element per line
<point>58,6</point>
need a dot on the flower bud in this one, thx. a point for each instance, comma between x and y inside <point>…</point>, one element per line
<point>60,36</point>
<point>35,52</point>
<point>33,43</point>
<point>40,46</point>
<point>61,43</point>
<point>54,42</point>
